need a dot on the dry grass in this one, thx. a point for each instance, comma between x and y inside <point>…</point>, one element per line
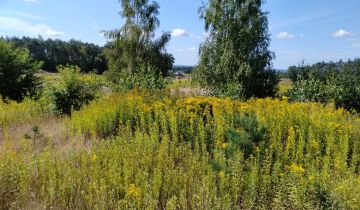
<point>40,134</point>
<point>284,86</point>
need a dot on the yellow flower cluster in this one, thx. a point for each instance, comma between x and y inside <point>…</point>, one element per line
<point>94,158</point>
<point>296,169</point>
<point>221,174</point>
<point>133,191</point>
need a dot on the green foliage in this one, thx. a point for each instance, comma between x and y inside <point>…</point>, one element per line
<point>17,72</point>
<point>133,53</point>
<point>245,135</point>
<point>52,53</point>
<point>235,60</point>
<point>328,82</point>
<point>157,151</point>
<point>144,78</point>
<point>72,92</point>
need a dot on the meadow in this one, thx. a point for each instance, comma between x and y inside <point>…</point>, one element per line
<point>119,126</point>
<point>159,150</point>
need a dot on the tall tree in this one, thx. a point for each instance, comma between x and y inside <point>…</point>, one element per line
<point>17,72</point>
<point>135,58</point>
<point>235,60</point>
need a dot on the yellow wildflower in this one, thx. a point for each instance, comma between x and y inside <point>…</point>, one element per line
<point>221,174</point>
<point>224,145</point>
<point>296,169</point>
<point>94,157</point>
<point>218,142</point>
<point>284,98</point>
<point>334,125</point>
<point>133,191</point>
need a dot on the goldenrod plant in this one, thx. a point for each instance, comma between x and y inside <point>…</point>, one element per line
<point>159,151</point>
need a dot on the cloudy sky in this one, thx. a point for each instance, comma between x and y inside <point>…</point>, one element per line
<point>320,30</point>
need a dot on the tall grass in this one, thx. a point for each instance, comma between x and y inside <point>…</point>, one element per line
<point>162,152</point>
<point>14,112</point>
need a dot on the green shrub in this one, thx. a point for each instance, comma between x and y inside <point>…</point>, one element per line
<point>72,92</point>
<point>328,82</point>
<point>145,78</point>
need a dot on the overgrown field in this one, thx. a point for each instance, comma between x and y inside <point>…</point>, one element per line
<point>144,150</point>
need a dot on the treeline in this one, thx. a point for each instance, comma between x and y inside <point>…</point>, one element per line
<point>337,82</point>
<point>185,69</point>
<point>324,70</point>
<point>87,56</point>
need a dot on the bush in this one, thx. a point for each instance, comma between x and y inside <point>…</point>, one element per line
<point>328,82</point>
<point>72,92</point>
<point>145,78</point>
<point>17,73</point>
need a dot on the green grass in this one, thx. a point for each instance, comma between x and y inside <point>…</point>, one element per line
<point>180,83</point>
<point>284,86</point>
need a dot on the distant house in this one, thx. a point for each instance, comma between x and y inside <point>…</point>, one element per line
<point>179,74</point>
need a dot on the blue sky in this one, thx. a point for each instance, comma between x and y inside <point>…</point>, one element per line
<point>310,30</point>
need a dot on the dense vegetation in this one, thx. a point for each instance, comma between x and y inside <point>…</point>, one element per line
<point>136,60</point>
<point>328,82</point>
<point>70,93</point>
<point>89,57</point>
<point>17,72</point>
<point>90,141</point>
<point>235,60</point>
<point>162,151</point>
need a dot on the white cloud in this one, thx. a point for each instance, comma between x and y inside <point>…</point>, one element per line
<point>102,34</point>
<point>301,35</point>
<point>52,33</point>
<point>341,33</point>
<point>192,48</point>
<point>21,27</point>
<point>285,35</point>
<point>178,32</point>
<point>31,1</point>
